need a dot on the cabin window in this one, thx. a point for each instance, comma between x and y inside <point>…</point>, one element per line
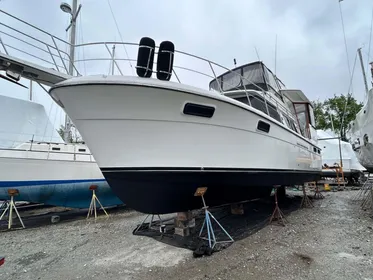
<point>232,80</point>
<point>291,124</point>
<point>263,126</point>
<point>312,116</point>
<point>258,103</point>
<point>56,149</point>
<point>242,99</point>
<point>81,150</point>
<point>301,110</point>
<point>198,110</point>
<point>273,112</point>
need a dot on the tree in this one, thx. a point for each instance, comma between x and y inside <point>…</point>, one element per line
<point>74,135</point>
<point>320,116</point>
<point>333,110</point>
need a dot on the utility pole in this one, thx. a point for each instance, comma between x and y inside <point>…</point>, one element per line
<point>74,12</point>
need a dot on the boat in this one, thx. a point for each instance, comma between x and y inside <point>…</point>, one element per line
<point>360,131</point>
<point>162,134</point>
<point>331,157</point>
<point>360,134</point>
<point>52,173</point>
<point>34,158</point>
<point>238,139</point>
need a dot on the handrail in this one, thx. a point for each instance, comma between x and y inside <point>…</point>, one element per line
<point>73,154</point>
<point>210,65</point>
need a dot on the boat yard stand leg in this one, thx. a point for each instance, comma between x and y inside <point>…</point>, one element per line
<point>93,207</point>
<point>277,213</point>
<point>318,194</point>
<point>10,206</point>
<point>306,202</point>
<point>211,237</point>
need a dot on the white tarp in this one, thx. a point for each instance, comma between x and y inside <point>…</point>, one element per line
<point>330,151</point>
<point>22,120</point>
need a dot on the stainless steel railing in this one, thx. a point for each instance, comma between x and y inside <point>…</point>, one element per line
<point>48,50</point>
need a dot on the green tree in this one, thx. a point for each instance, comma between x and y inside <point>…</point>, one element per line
<point>333,110</point>
<point>320,115</point>
<point>61,132</point>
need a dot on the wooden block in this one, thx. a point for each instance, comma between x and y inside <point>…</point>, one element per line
<point>237,209</point>
<point>182,231</point>
<point>184,224</point>
<point>184,216</point>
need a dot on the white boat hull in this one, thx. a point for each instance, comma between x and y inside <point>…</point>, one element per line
<point>361,134</point>
<point>142,141</point>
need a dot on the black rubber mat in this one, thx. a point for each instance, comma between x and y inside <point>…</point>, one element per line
<point>256,216</point>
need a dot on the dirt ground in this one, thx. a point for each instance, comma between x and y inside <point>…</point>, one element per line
<point>333,240</point>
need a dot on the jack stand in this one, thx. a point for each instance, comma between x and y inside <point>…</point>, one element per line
<point>318,194</point>
<point>306,202</point>
<point>162,227</point>
<point>367,186</point>
<point>92,206</point>
<point>10,206</point>
<point>210,231</point>
<point>277,213</point>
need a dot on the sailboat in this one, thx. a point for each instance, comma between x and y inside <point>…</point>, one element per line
<point>360,130</point>
<point>49,172</point>
<point>38,162</point>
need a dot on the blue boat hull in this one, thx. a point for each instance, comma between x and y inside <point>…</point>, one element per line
<point>65,193</point>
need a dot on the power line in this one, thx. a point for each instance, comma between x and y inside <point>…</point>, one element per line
<point>120,35</point>
<point>344,36</point>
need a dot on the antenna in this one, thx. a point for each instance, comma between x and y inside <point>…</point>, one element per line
<point>257,54</point>
<point>234,62</point>
<point>276,55</point>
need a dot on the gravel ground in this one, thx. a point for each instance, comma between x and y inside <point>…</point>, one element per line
<point>333,240</point>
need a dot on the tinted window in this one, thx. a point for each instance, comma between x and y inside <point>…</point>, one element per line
<point>258,103</point>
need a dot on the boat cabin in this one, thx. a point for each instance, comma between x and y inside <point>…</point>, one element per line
<point>302,108</point>
<point>252,76</point>
<point>247,83</point>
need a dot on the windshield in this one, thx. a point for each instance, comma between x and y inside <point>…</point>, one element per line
<point>250,76</point>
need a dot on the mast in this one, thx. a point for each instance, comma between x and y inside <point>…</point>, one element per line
<point>362,69</point>
<point>74,11</point>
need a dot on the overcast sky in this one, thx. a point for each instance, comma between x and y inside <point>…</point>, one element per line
<point>310,46</point>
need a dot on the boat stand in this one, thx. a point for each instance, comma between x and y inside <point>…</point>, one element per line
<point>277,213</point>
<point>93,206</point>
<point>318,194</point>
<point>306,201</point>
<point>10,205</point>
<point>208,223</point>
<point>150,226</point>
<point>367,186</point>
